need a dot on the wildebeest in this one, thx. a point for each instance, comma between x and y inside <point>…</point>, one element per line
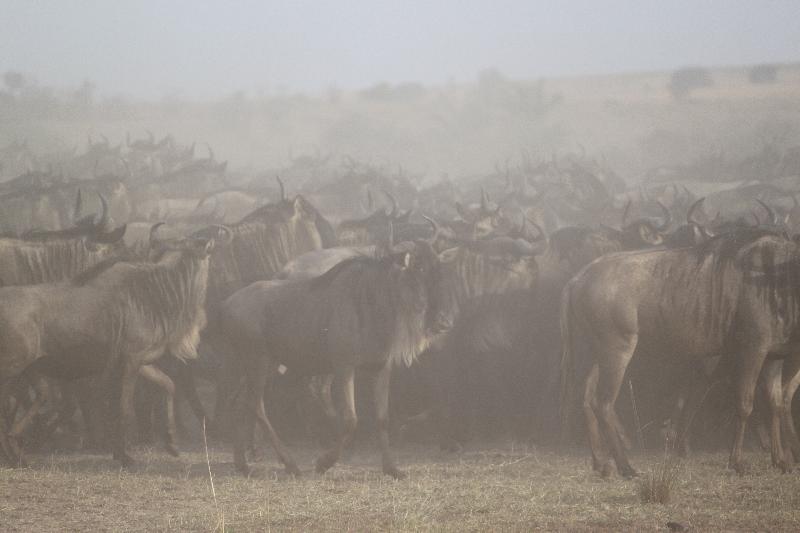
<point>112,319</point>
<point>735,296</point>
<point>367,312</point>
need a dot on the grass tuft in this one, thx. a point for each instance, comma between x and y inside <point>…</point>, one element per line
<point>658,485</point>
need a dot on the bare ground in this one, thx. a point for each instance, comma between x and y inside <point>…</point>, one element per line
<point>500,487</point>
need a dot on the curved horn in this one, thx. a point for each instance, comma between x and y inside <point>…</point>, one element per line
<point>225,230</point>
<point>210,152</point>
<point>674,192</point>
<point>625,212</point>
<point>283,190</point>
<point>103,222</point>
<point>695,206</point>
<point>154,241</point>
<point>667,217</point>
<point>391,198</point>
<point>484,201</point>
<point>78,205</point>
<point>433,223</point>
<point>541,235</point>
<point>773,217</point>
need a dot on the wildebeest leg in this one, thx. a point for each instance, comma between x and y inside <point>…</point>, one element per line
<point>772,377</point>
<point>612,362</point>
<point>127,416</point>
<point>749,364</point>
<point>254,408</point>
<point>596,443</point>
<point>346,407</point>
<point>380,385</point>
<point>157,376</point>
<point>18,428</point>
<point>5,446</point>
<point>185,381</point>
<point>791,380</point>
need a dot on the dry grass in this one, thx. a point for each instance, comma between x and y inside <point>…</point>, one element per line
<point>658,485</point>
<point>498,487</point>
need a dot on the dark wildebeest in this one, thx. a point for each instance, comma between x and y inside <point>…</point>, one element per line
<point>112,319</point>
<point>262,243</point>
<point>367,313</point>
<point>735,295</point>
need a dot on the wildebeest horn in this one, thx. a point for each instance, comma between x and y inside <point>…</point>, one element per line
<point>433,223</point>
<point>151,137</point>
<point>391,198</point>
<point>283,190</point>
<point>689,194</point>
<point>103,222</point>
<point>695,206</point>
<point>773,217</point>
<point>94,170</point>
<point>153,229</point>
<point>127,138</point>
<point>540,233</point>
<point>78,205</point>
<point>674,192</point>
<point>210,152</point>
<point>226,231</point>
<point>370,202</point>
<point>625,212</point>
<point>89,138</point>
<point>667,217</point>
<point>484,201</point>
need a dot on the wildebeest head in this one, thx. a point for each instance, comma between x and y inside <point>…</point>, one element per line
<point>96,230</point>
<point>644,231</point>
<point>372,229</point>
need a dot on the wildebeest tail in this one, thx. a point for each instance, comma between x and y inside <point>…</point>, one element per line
<point>567,363</point>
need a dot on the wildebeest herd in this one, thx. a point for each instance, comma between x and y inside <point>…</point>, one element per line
<point>530,294</point>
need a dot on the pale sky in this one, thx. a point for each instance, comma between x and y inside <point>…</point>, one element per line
<point>202,49</point>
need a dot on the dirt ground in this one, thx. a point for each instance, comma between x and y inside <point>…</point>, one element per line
<point>490,487</point>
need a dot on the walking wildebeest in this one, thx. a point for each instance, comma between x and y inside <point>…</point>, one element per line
<point>735,295</point>
<point>367,312</point>
<point>112,319</point>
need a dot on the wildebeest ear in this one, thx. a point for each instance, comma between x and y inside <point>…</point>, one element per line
<point>403,259</point>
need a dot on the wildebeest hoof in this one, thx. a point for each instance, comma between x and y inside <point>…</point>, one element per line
<point>243,469</point>
<point>394,472</point>
<point>324,464</point>
<point>605,470</point>
<point>172,450</point>
<point>292,470</point>
<point>126,461</point>
<point>628,472</point>
<point>784,466</point>
<point>255,454</point>
<point>739,468</point>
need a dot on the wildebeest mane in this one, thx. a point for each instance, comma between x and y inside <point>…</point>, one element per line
<point>32,262</point>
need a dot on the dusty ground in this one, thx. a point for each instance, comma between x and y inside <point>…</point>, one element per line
<point>490,487</point>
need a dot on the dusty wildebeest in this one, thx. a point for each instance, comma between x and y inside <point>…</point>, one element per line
<point>735,295</point>
<point>262,243</point>
<point>112,319</point>
<point>367,312</point>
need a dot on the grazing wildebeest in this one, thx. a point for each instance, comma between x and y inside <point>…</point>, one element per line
<point>112,319</point>
<point>367,312</point>
<point>735,296</point>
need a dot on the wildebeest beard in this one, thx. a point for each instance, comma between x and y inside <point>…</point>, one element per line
<point>167,299</point>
